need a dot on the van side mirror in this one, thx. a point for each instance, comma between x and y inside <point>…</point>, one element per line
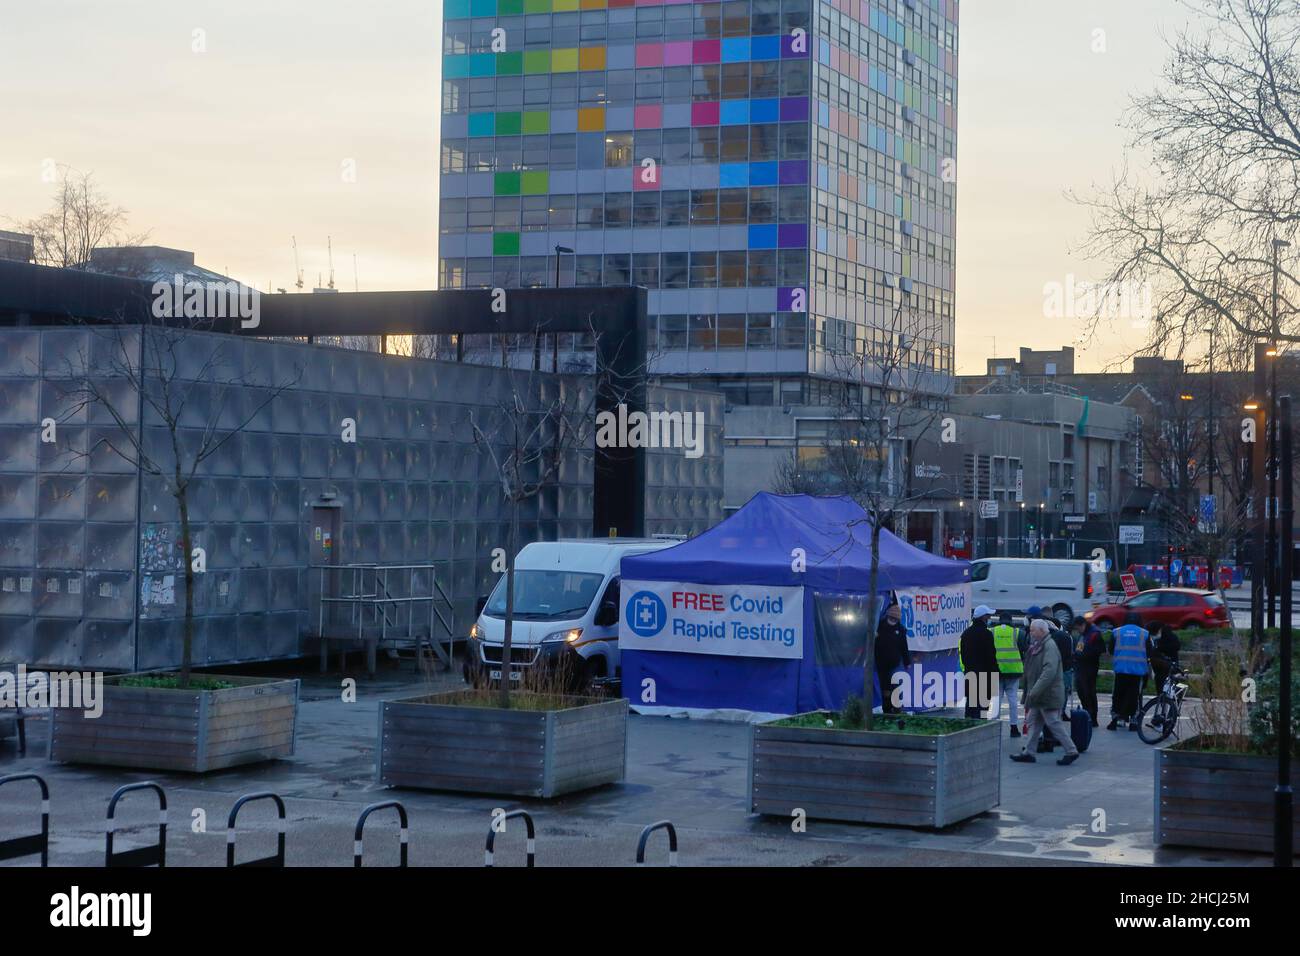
<point>606,615</point>
<point>479,604</point>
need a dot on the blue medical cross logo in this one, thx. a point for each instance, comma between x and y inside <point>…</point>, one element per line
<point>645,614</point>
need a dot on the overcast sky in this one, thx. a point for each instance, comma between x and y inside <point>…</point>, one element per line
<point>232,139</point>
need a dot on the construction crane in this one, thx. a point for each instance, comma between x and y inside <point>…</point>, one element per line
<point>296,266</point>
<point>329,245</point>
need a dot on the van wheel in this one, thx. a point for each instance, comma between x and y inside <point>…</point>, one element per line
<point>1062,615</point>
<point>592,670</point>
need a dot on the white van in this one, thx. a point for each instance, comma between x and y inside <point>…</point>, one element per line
<point>1063,588</point>
<point>566,610</point>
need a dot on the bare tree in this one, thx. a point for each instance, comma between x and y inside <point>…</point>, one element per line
<point>81,220</point>
<point>190,386</point>
<point>1222,130</point>
<point>542,422</point>
<point>888,397</point>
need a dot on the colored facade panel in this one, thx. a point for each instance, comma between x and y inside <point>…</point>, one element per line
<point>787,143</point>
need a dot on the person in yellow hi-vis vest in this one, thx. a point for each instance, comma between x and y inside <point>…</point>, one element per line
<point>1006,640</point>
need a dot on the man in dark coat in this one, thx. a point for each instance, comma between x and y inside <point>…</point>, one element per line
<point>891,654</point>
<point>1089,645</point>
<point>979,659</point>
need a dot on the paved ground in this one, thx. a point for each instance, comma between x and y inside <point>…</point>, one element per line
<point>692,772</point>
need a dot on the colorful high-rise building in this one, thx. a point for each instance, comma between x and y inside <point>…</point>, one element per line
<point>780,174</point>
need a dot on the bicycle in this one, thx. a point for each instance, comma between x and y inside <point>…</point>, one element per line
<point>1158,717</point>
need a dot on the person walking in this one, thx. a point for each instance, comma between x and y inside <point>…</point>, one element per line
<point>1044,696</point>
<point>1064,647</point>
<point>979,659</point>
<point>1130,656</point>
<point>1089,645</point>
<point>1006,642</point>
<point>891,653</point>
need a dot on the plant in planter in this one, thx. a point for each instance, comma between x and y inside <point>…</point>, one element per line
<point>142,380</point>
<point>536,740</point>
<point>1215,789</point>
<point>908,769</point>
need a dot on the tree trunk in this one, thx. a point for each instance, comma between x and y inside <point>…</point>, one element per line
<point>869,663</point>
<point>510,603</point>
<point>187,641</point>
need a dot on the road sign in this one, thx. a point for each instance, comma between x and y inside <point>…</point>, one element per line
<point>988,509</point>
<point>1020,484</point>
<point>1207,520</point>
<point>1075,519</point>
<point>1130,584</point>
<point>1175,566</point>
<point>1132,534</point>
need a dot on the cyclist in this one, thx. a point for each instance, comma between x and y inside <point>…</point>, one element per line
<point>1162,652</point>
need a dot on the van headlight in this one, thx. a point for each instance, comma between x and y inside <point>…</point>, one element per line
<point>570,635</point>
<point>473,631</point>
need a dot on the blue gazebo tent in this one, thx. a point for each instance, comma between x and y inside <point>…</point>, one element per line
<point>766,611</point>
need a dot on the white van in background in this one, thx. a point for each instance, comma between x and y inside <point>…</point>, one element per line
<point>1063,588</point>
<point>566,611</point>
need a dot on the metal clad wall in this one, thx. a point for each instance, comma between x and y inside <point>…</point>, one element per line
<point>87,542</point>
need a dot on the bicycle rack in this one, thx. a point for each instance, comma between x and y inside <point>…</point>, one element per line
<point>361,823</point>
<point>645,836</point>
<point>16,847</point>
<point>144,855</point>
<point>532,836</point>
<point>277,859</point>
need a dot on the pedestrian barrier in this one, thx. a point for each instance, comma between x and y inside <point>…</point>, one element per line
<point>276,860</point>
<point>361,823</point>
<point>17,847</point>
<point>155,855</point>
<point>528,824</point>
<point>645,836</point>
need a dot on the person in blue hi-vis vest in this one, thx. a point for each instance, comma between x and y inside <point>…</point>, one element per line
<point>1130,664</point>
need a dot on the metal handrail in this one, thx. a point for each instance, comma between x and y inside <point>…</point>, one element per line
<point>376,597</point>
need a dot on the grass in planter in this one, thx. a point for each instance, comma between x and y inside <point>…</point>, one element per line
<point>851,717</point>
<point>172,682</point>
<point>519,700</point>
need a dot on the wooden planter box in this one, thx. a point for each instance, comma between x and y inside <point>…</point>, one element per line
<point>193,731</point>
<point>1219,801</point>
<point>427,743</point>
<point>874,777</point>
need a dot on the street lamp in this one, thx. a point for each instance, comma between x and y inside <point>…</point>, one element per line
<point>1274,353</point>
<point>1040,529</point>
<point>961,505</point>
<point>1020,547</point>
<point>559,251</point>
<point>1282,799</point>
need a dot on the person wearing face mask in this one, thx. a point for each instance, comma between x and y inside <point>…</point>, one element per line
<point>891,653</point>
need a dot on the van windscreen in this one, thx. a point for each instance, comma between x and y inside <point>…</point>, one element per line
<point>546,595</point>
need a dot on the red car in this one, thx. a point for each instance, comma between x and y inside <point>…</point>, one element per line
<point>1177,607</point>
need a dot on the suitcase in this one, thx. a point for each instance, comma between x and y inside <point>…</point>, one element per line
<point>1081,728</point>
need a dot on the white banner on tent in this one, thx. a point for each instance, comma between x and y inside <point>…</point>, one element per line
<point>735,620</point>
<point>935,617</point>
